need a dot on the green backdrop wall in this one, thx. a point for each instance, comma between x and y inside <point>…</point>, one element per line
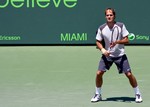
<point>69,21</point>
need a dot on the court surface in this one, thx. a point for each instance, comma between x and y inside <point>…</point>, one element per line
<point>64,76</point>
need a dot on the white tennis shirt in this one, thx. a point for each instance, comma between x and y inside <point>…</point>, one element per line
<point>108,35</point>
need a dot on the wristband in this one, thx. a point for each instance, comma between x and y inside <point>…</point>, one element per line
<point>103,50</point>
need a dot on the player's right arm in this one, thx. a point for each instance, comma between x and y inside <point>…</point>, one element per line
<point>100,47</point>
<point>99,43</point>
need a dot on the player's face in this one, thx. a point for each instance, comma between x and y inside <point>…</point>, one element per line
<point>110,16</point>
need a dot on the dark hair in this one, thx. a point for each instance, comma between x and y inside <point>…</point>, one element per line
<point>113,10</point>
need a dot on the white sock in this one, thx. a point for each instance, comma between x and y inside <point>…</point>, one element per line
<point>98,90</point>
<point>137,90</point>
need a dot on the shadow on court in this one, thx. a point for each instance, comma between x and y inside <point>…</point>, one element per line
<point>120,99</point>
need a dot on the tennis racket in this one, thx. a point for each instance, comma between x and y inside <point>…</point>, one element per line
<point>114,37</point>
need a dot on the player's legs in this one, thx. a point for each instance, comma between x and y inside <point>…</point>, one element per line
<point>99,81</point>
<point>99,78</point>
<point>132,79</point>
<point>124,67</point>
<point>133,82</point>
<point>104,64</point>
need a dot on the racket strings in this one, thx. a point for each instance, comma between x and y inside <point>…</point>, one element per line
<point>115,33</point>
<point>114,36</point>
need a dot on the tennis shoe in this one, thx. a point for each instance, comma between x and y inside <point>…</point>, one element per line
<point>96,98</point>
<point>138,98</point>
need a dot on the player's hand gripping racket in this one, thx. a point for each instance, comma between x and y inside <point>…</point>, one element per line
<point>114,37</point>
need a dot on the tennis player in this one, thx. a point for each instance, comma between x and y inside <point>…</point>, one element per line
<point>115,35</point>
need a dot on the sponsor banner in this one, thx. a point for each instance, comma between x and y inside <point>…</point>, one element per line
<point>139,39</point>
<point>60,22</point>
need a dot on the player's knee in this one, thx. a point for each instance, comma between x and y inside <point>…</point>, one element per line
<point>100,73</point>
<point>128,74</point>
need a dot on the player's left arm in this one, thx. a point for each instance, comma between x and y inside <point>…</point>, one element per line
<point>125,40</point>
